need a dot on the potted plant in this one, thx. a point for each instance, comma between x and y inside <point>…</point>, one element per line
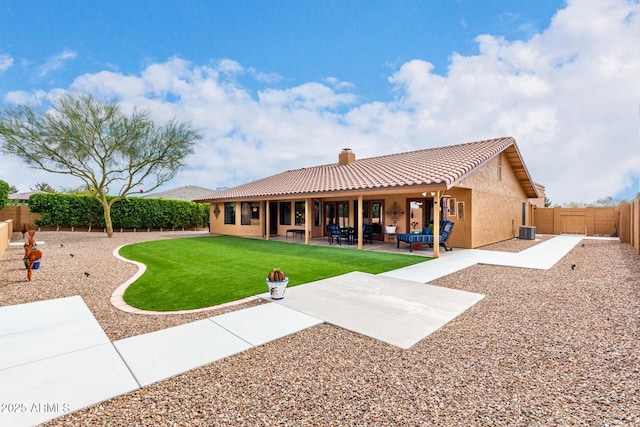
<point>390,229</point>
<point>277,282</point>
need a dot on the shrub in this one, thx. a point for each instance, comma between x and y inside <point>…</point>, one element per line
<point>4,194</point>
<point>132,212</point>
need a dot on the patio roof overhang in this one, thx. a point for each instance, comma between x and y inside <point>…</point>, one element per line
<point>338,194</point>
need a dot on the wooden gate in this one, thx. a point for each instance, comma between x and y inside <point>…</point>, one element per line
<point>573,221</point>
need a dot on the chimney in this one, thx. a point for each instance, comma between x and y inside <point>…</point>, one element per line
<point>346,157</point>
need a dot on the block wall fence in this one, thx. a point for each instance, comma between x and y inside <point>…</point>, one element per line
<point>20,215</point>
<point>622,221</point>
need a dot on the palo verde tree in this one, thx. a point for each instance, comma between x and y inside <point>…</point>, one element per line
<point>113,153</point>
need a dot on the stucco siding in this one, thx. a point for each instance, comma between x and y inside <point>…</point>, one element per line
<point>496,218</point>
<point>461,235</point>
<point>218,226</point>
<point>6,228</point>
<point>496,203</point>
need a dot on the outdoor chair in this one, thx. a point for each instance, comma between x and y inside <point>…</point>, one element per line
<point>367,233</point>
<point>333,231</point>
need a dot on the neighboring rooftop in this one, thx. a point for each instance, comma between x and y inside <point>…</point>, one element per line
<point>188,192</point>
<point>23,197</point>
<point>441,167</point>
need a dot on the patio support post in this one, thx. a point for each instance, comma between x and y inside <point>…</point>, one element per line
<point>307,221</point>
<point>436,225</point>
<point>360,222</point>
<point>267,227</point>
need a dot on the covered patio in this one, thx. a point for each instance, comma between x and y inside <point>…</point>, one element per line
<point>388,246</point>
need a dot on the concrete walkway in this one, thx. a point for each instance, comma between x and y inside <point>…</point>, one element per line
<point>55,358</point>
<point>541,256</point>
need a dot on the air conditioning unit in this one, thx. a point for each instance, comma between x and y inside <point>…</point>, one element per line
<point>527,233</point>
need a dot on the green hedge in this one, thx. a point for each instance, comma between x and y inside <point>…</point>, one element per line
<point>4,194</point>
<point>59,210</point>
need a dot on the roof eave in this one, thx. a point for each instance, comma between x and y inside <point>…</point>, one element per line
<point>417,188</point>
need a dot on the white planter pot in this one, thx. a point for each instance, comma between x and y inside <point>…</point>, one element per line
<point>390,229</point>
<point>276,289</point>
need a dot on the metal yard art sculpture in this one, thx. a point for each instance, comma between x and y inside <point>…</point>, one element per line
<point>32,255</point>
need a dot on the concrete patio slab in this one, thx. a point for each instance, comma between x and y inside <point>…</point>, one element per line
<point>162,354</point>
<point>267,322</point>
<point>33,345</point>
<point>395,311</point>
<point>52,387</point>
<point>42,314</point>
<point>55,359</point>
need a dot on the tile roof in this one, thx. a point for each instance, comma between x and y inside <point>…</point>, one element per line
<point>439,168</point>
<point>188,192</point>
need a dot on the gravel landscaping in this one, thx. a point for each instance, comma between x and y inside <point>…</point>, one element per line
<point>554,347</point>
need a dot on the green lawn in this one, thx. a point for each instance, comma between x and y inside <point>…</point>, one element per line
<point>200,272</point>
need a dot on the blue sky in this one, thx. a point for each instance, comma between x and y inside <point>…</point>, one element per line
<point>282,84</point>
<point>356,41</point>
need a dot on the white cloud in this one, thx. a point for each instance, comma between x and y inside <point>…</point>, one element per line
<point>20,97</point>
<point>57,61</point>
<point>6,62</point>
<point>108,83</point>
<point>338,84</point>
<point>568,94</point>
<point>264,77</point>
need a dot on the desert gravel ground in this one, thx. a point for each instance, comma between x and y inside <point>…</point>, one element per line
<point>554,347</point>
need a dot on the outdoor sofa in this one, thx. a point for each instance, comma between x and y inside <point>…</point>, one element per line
<point>426,237</point>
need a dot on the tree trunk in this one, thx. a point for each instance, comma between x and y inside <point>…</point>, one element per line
<point>107,219</point>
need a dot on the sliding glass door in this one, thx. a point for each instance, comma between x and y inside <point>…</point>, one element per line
<point>372,214</point>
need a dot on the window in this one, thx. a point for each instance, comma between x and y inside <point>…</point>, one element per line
<point>460,210</point>
<point>300,211</point>
<point>230,213</point>
<point>250,213</point>
<point>453,208</point>
<point>285,213</point>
